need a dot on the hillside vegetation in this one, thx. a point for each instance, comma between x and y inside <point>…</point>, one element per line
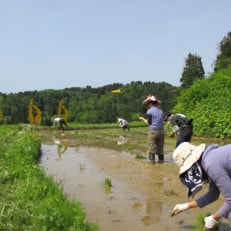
<point>208,102</point>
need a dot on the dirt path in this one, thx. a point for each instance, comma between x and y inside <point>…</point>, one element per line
<point>142,194</point>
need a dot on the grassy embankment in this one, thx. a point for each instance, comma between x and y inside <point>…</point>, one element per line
<point>30,200</point>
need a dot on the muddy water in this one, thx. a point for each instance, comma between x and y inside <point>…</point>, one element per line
<point>142,194</point>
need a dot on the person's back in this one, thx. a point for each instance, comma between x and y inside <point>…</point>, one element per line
<point>180,123</point>
<point>178,120</point>
<point>56,120</point>
<point>124,123</point>
<point>155,115</point>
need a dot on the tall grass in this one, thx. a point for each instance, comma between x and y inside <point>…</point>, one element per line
<point>30,200</point>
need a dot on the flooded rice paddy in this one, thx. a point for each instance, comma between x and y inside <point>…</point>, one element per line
<point>142,195</point>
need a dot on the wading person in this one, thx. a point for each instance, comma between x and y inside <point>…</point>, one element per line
<point>61,122</point>
<point>180,124</point>
<point>205,164</point>
<point>123,124</point>
<point>155,124</point>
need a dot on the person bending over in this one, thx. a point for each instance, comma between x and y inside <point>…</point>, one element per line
<point>203,164</point>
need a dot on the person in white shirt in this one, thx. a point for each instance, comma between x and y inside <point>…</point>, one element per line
<point>124,124</point>
<point>61,122</point>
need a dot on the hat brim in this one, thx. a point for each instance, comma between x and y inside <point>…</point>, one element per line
<point>193,158</point>
<point>146,102</point>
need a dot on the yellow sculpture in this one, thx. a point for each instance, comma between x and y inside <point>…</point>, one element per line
<point>62,111</point>
<point>34,113</point>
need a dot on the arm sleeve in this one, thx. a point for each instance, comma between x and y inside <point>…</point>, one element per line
<point>209,197</point>
<point>214,193</point>
<point>223,182</point>
<point>174,124</point>
<point>175,128</point>
<point>149,118</point>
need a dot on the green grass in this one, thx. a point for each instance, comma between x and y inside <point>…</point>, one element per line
<point>30,200</point>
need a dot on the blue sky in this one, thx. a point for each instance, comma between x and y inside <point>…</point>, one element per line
<point>57,44</point>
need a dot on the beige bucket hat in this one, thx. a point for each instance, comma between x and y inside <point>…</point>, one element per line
<point>186,154</point>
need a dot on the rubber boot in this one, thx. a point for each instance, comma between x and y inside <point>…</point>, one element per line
<point>152,158</point>
<point>161,158</point>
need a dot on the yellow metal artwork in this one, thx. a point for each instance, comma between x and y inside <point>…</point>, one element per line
<point>62,111</point>
<point>34,113</point>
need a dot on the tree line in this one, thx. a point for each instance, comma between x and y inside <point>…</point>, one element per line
<point>204,98</point>
<point>87,105</point>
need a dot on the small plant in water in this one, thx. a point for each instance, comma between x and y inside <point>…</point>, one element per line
<point>130,148</point>
<point>140,156</point>
<point>81,166</point>
<point>200,224</point>
<point>107,182</point>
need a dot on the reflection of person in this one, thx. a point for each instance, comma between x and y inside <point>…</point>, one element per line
<point>155,128</point>
<point>180,123</point>
<point>205,164</point>
<point>121,140</point>
<point>124,124</point>
<point>61,122</point>
<point>62,144</point>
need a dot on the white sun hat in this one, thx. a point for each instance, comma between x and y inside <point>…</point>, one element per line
<point>186,154</point>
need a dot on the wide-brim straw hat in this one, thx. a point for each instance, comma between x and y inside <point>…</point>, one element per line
<point>186,154</point>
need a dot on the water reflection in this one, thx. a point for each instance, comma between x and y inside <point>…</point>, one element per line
<point>107,190</point>
<point>121,140</point>
<point>153,212</point>
<point>62,144</point>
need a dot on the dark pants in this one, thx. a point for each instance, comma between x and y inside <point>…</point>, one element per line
<point>185,134</point>
<point>61,123</point>
<point>126,127</point>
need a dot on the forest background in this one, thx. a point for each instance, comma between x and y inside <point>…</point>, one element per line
<point>206,99</point>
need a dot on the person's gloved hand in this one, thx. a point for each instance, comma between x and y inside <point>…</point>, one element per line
<point>179,208</point>
<point>210,222</point>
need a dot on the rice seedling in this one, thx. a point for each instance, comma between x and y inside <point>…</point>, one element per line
<point>140,156</point>
<point>107,182</point>
<point>200,224</point>
<point>81,167</point>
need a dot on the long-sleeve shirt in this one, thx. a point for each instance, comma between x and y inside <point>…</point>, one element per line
<point>178,121</point>
<point>122,122</point>
<point>216,162</point>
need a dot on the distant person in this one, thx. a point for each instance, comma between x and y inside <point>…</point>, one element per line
<point>180,124</point>
<point>155,124</point>
<point>61,122</point>
<point>123,124</point>
<point>205,164</point>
